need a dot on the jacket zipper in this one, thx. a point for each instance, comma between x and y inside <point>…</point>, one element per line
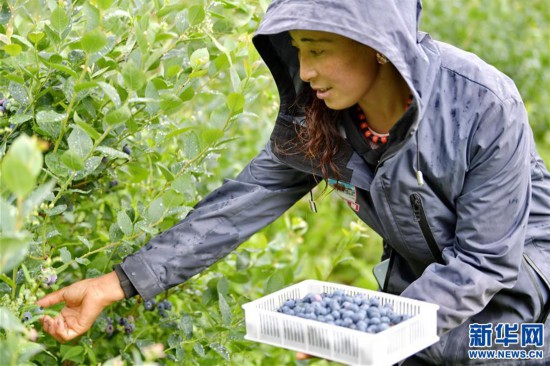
<point>420,217</point>
<point>545,308</point>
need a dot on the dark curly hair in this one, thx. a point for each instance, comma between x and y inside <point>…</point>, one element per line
<point>319,140</point>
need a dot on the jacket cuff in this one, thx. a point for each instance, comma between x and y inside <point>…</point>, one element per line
<point>127,286</point>
<point>141,277</point>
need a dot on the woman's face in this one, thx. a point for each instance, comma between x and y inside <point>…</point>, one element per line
<point>340,70</point>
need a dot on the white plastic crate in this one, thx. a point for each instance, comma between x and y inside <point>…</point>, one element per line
<point>264,324</point>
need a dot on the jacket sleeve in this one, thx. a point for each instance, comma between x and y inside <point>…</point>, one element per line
<point>492,212</point>
<point>228,216</point>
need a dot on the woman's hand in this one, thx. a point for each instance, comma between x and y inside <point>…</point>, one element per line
<point>84,301</point>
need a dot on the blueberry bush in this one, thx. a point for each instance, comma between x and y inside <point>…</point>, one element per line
<point>117,116</point>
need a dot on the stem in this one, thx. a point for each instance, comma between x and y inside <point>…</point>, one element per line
<point>70,107</point>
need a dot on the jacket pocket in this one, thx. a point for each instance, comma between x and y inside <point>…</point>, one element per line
<point>534,272</point>
<point>420,217</point>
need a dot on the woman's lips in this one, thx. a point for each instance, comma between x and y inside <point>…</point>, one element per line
<point>322,93</point>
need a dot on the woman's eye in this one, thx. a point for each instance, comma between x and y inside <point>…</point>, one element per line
<point>315,52</point>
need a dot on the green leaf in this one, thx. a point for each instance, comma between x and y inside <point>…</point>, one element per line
<point>196,15</point>
<point>54,164</point>
<point>59,20</point>
<point>185,324</point>
<point>13,250</point>
<point>73,353</point>
<point>155,211</point>
<point>17,119</point>
<point>221,350</point>
<point>170,103</point>
<point>93,41</point>
<point>90,165</point>
<point>112,153</point>
<point>172,199</point>
<point>38,196</point>
<point>50,122</point>
<point>85,241</point>
<point>187,94</point>
<point>13,49</point>
<point>72,160</point>
<point>86,127</point>
<point>199,349</point>
<point>223,286</point>
<point>243,260</point>
<point>56,210</point>
<point>111,93</point>
<point>117,116</point>
<point>235,103</point>
<point>211,135</point>
<point>35,36</point>
<point>21,166</point>
<point>9,322</point>
<point>225,309</point>
<point>65,255</point>
<point>133,76</point>
<point>104,4</point>
<point>124,222</point>
<point>275,282</point>
<point>62,68</point>
<point>199,58</point>
<point>80,142</point>
<point>9,217</point>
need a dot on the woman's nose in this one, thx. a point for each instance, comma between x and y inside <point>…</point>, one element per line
<point>307,71</point>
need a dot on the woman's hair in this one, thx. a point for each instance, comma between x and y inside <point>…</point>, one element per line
<point>319,139</point>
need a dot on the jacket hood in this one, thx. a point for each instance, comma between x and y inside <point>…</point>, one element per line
<point>388,26</point>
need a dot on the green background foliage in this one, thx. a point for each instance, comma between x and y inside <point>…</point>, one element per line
<point>124,113</point>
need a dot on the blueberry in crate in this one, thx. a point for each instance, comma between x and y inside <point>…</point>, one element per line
<point>359,312</point>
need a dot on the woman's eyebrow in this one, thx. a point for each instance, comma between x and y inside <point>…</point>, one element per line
<point>312,40</point>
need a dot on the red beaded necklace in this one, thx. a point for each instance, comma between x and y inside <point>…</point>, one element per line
<point>368,132</point>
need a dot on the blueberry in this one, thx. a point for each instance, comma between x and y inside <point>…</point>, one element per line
<point>149,305</point>
<point>109,329</point>
<point>162,312</point>
<point>127,150</point>
<point>361,325</point>
<point>113,183</point>
<point>383,326</point>
<point>373,312</point>
<point>160,306</point>
<point>51,279</point>
<point>374,321</point>
<point>373,329</point>
<point>27,316</point>
<point>290,303</point>
<point>129,328</point>
<point>122,321</point>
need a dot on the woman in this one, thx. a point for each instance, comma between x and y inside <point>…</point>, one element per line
<point>431,146</point>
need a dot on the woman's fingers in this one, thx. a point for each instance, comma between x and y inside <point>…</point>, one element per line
<point>52,299</point>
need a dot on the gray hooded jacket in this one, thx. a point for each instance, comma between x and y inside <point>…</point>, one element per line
<point>474,238</point>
